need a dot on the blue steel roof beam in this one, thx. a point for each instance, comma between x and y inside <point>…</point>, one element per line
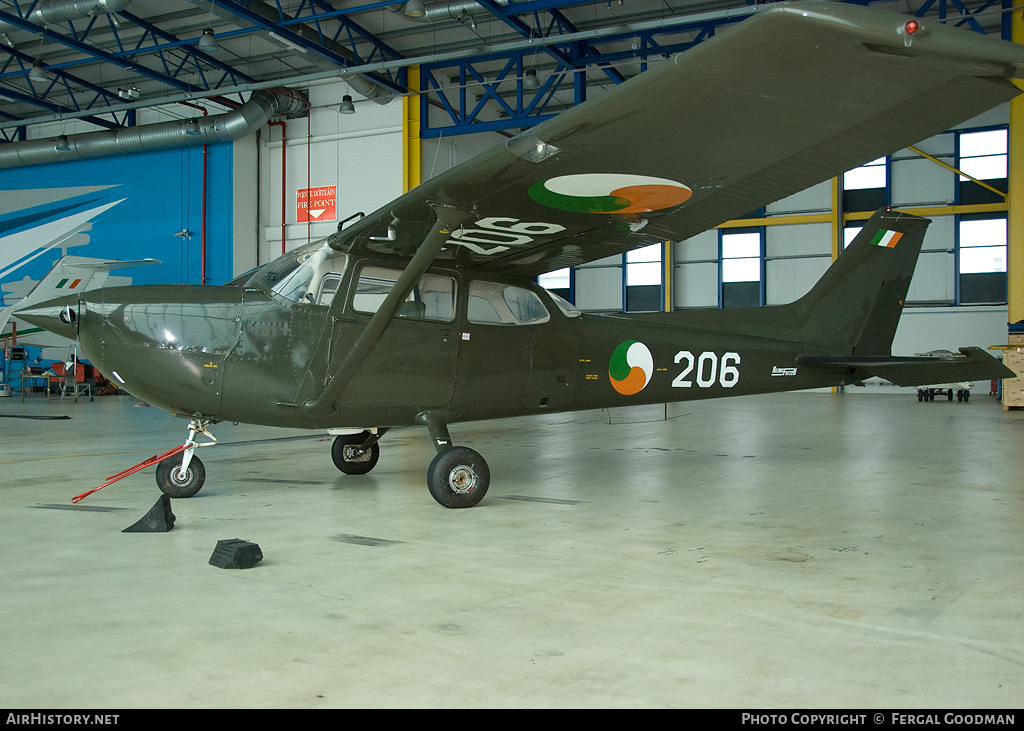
<point>96,52</point>
<point>292,37</point>
<point>534,114</point>
<point>464,120</point>
<point>523,29</point>
<point>350,27</point>
<point>353,31</point>
<point>234,73</point>
<point>428,80</point>
<point>25,61</point>
<point>490,89</point>
<point>50,106</point>
<point>588,50</point>
<point>943,10</point>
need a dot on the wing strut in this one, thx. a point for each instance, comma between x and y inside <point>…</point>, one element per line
<point>447,220</point>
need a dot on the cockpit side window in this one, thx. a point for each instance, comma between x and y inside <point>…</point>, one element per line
<point>328,288</point>
<point>433,298</point>
<point>491,303</point>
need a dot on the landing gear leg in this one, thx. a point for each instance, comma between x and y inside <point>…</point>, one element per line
<point>184,477</point>
<point>458,477</point>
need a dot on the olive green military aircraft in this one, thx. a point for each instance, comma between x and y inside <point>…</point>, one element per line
<point>426,312</point>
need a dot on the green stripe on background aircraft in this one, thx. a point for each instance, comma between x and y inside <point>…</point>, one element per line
<point>425,312</point>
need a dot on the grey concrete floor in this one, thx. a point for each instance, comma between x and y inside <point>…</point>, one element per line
<point>793,551</point>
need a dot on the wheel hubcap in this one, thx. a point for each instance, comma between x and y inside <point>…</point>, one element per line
<point>462,479</point>
<point>352,453</point>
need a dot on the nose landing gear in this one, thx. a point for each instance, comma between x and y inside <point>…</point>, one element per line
<point>184,477</point>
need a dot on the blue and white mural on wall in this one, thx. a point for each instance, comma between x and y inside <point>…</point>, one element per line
<point>126,208</point>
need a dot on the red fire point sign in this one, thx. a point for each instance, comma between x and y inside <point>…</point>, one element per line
<point>316,204</point>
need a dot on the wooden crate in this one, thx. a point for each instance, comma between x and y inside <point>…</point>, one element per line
<point>1013,388</point>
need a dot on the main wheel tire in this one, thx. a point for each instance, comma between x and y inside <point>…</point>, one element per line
<point>169,483</point>
<point>458,478</point>
<point>349,458</point>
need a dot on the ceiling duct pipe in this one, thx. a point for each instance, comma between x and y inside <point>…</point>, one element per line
<point>48,12</point>
<point>451,10</point>
<point>236,124</point>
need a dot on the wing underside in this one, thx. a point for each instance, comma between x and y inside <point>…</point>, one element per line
<point>793,96</point>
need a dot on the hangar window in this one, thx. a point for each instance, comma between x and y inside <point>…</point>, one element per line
<point>433,298</point>
<point>559,282</point>
<point>983,154</point>
<point>643,279</point>
<point>741,269</point>
<point>870,175</point>
<point>491,303</point>
<point>982,259</point>
<point>866,188</point>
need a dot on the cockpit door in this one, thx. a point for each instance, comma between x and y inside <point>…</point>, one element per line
<point>414,362</point>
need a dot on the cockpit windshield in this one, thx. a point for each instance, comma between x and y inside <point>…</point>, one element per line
<point>297,274</point>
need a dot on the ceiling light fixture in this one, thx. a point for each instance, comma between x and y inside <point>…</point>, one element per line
<point>62,144</point>
<point>192,128</point>
<point>531,81</point>
<point>207,42</point>
<point>414,9</point>
<point>38,72</point>
<point>346,106</point>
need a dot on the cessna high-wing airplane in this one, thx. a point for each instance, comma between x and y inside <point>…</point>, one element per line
<point>425,312</point>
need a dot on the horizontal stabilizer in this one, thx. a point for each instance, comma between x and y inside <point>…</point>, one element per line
<point>973,364</point>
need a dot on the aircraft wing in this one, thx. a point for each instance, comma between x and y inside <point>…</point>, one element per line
<point>797,94</point>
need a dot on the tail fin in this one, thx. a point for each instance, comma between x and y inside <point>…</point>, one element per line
<point>855,307</point>
<point>849,317</point>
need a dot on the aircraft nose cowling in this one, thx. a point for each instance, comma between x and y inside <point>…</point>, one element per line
<point>59,316</point>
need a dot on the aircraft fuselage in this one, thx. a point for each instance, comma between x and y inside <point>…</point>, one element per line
<point>246,354</point>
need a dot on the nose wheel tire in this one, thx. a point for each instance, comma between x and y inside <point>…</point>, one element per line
<point>350,458</point>
<point>172,485</point>
<point>458,477</point>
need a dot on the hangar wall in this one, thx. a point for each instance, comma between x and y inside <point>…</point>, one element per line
<point>158,209</point>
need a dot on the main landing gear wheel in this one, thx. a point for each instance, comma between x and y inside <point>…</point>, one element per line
<point>350,457</point>
<point>458,477</point>
<point>171,483</point>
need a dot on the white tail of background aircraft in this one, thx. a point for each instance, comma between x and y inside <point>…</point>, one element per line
<point>70,275</point>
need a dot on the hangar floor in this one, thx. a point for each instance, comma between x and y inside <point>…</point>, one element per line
<point>801,550</point>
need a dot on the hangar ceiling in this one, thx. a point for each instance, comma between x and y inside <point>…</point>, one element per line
<point>485,64</point>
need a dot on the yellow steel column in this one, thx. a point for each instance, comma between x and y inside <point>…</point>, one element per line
<point>1015,196</point>
<point>412,157</point>
<point>837,219</point>
<point>666,273</point>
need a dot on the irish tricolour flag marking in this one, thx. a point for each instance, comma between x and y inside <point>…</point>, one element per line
<point>888,239</point>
